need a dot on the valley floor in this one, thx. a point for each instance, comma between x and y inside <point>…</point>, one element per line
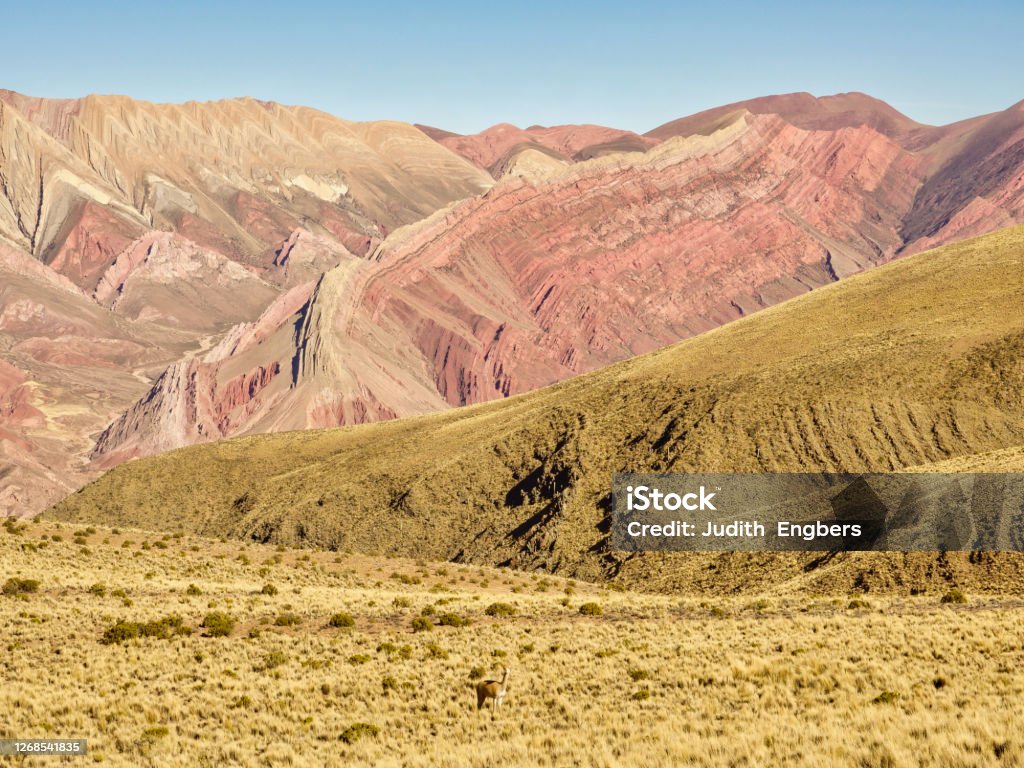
<point>793,680</point>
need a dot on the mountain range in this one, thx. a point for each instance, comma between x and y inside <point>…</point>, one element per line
<point>180,274</point>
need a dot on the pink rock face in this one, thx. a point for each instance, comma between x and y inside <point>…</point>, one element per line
<point>95,238</point>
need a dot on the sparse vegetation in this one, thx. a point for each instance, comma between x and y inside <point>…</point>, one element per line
<point>591,609</point>
<point>805,658</point>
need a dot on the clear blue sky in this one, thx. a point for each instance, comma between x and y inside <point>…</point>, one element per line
<point>464,66</point>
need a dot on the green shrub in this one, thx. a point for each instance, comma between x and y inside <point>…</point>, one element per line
<point>274,659</point>
<point>193,590</point>
<point>357,731</point>
<point>16,586</point>
<point>388,683</point>
<point>341,621</point>
<point>858,603</point>
<point>218,624</point>
<point>162,629</point>
<point>591,609</point>
<point>500,609</point>
<point>121,632</point>
<point>639,674</point>
<point>435,651</point>
<point>954,596</point>
<point>288,620</point>
<point>885,697</point>
<point>401,602</point>
<point>99,590</point>
<point>642,695</point>
<point>476,673</point>
<point>358,658</point>
<point>422,624</point>
<point>268,589</point>
<point>452,620</point>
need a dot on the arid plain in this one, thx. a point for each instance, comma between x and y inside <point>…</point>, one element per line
<point>786,677</point>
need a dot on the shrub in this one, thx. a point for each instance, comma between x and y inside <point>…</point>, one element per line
<point>422,624</point>
<point>356,731</point>
<point>16,586</point>
<point>954,596</point>
<point>642,695</point>
<point>121,632</point>
<point>218,624</point>
<point>162,629</point>
<point>268,589</point>
<point>342,620</point>
<point>885,697</point>
<point>193,590</point>
<point>500,609</point>
<point>435,651</point>
<point>452,620</point>
<point>591,609</point>
<point>476,673</point>
<point>858,603</point>
<point>401,602</point>
<point>358,658</point>
<point>388,683</point>
<point>274,659</point>
<point>639,674</point>
<point>288,620</point>
<point>99,590</point>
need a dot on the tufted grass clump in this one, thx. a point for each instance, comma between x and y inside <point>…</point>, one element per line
<point>358,731</point>
<point>161,629</point>
<point>17,586</point>
<point>341,620</point>
<point>218,624</point>
<point>954,597</point>
<point>452,620</point>
<point>500,609</point>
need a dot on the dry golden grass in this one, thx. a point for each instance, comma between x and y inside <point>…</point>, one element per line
<point>780,679</point>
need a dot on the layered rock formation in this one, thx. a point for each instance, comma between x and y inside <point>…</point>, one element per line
<point>133,236</point>
<point>184,273</point>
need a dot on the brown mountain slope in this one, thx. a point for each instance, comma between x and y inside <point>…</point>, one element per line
<point>497,149</point>
<point>237,176</point>
<point>916,362</point>
<point>843,110</point>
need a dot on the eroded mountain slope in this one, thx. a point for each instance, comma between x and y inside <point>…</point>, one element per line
<point>917,362</point>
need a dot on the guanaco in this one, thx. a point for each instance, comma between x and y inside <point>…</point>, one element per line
<point>492,689</point>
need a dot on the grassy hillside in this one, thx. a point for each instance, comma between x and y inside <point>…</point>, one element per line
<point>917,362</point>
<point>652,681</point>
